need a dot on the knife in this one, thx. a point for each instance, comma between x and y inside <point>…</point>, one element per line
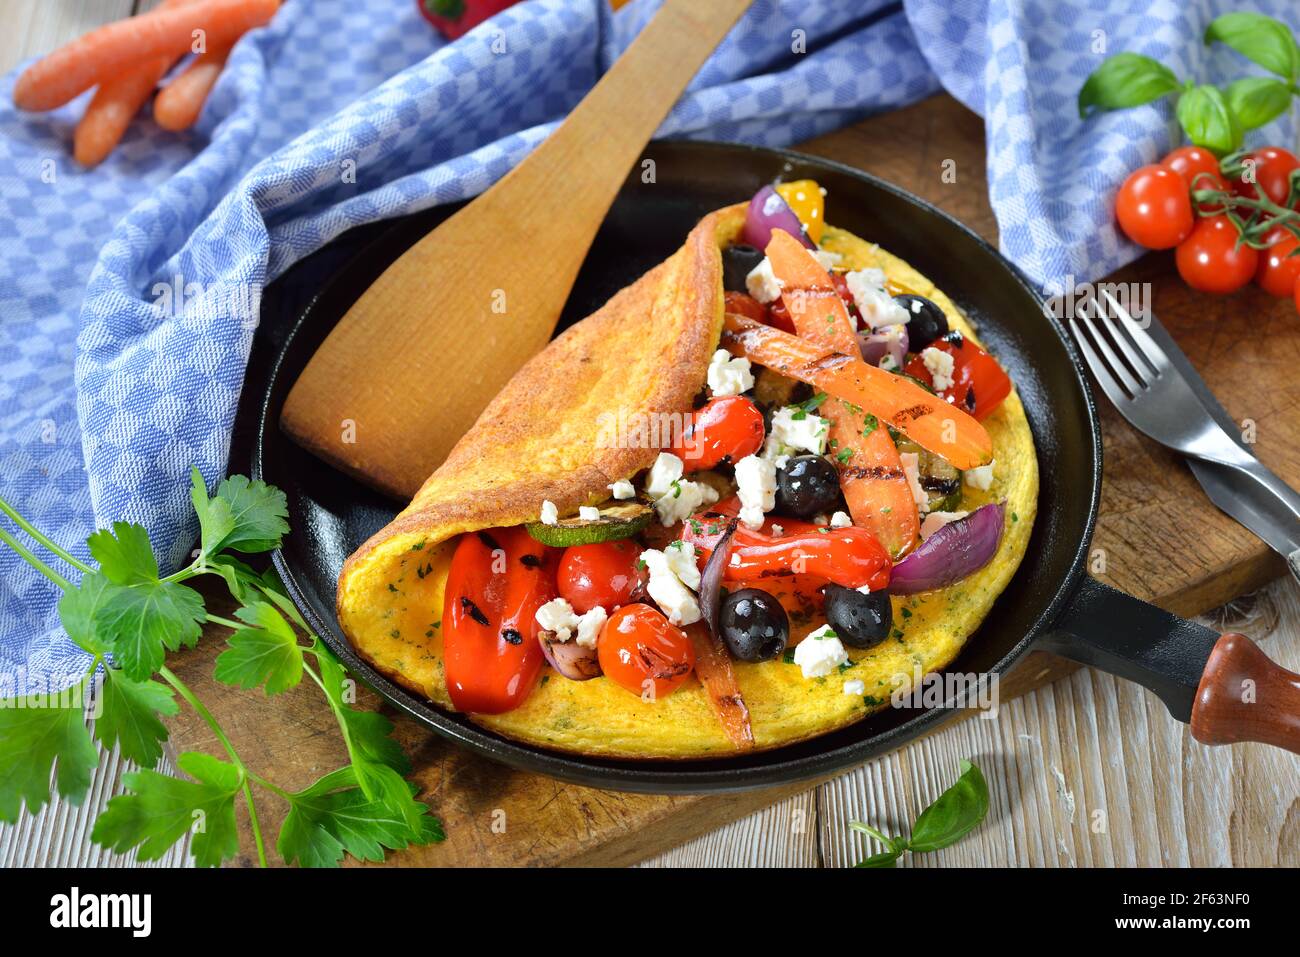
<point>1257,499</point>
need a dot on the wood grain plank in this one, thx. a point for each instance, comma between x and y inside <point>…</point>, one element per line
<point>34,28</point>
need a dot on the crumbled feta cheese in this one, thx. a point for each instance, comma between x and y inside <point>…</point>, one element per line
<point>550,514</point>
<point>888,363</point>
<point>729,375</point>
<point>672,596</point>
<point>912,470</point>
<point>683,499</point>
<point>589,625</point>
<point>681,559</point>
<point>828,259</point>
<point>666,470</point>
<point>940,365</point>
<point>820,653</point>
<point>588,513</point>
<point>980,477</point>
<point>794,430</point>
<point>622,489</point>
<point>756,487</point>
<point>819,519</point>
<point>841,520</point>
<point>557,616</point>
<point>855,686</point>
<point>762,282</point>
<point>863,589</point>
<point>876,306</point>
<point>937,520</point>
<point>777,531</point>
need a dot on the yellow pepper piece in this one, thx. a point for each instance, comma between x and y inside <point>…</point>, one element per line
<point>804,196</point>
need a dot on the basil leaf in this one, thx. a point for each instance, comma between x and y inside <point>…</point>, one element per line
<point>954,814</point>
<point>1260,39</point>
<point>1256,100</point>
<point>1126,79</point>
<point>1208,120</point>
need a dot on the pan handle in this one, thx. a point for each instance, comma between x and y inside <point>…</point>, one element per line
<point>1223,685</point>
<point>1246,696</point>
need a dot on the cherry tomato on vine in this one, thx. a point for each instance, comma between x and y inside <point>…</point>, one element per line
<point>1278,269</point>
<point>604,574</point>
<point>1199,168</point>
<point>1211,260</point>
<point>729,427</point>
<point>1272,166</point>
<point>640,650</point>
<point>1154,207</point>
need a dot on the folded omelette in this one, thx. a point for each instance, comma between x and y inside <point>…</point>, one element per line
<point>647,351</point>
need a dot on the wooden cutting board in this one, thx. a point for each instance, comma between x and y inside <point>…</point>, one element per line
<point>1158,538</point>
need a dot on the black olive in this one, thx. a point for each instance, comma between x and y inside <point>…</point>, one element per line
<point>860,620</point>
<point>753,625</point>
<point>738,262</point>
<point>807,486</point>
<point>925,321</point>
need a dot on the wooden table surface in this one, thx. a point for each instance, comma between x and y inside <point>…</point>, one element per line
<point>1087,771</point>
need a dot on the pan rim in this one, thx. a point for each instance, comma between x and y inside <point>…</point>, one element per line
<point>765,769</point>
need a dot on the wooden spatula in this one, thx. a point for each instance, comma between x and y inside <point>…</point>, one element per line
<point>415,360</point>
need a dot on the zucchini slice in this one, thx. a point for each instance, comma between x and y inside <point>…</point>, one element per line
<point>617,520</point>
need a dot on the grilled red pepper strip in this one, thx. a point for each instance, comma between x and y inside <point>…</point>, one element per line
<point>979,383</point>
<point>498,580</point>
<point>846,556</point>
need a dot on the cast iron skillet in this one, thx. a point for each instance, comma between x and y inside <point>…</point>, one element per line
<point>1049,604</point>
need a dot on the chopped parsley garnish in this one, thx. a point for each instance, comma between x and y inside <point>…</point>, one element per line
<point>844,455</point>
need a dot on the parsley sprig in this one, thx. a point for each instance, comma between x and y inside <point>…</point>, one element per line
<point>127,616</point>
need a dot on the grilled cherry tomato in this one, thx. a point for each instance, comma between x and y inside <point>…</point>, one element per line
<point>841,285</point>
<point>1154,207</point>
<point>1278,268</point>
<point>497,581</point>
<point>1211,259</point>
<point>729,427</point>
<point>641,651</point>
<point>778,316</point>
<point>979,383</point>
<point>1272,174</point>
<point>847,556</point>
<point>604,574</point>
<point>455,18</point>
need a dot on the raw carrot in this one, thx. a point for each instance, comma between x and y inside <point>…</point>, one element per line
<point>112,108</point>
<point>165,32</point>
<point>875,486</point>
<point>929,421</point>
<point>179,103</point>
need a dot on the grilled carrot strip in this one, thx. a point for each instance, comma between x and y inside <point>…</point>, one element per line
<point>713,668</point>
<point>927,420</point>
<point>871,473</point>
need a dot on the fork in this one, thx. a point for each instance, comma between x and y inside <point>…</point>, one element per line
<point>1151,392</point>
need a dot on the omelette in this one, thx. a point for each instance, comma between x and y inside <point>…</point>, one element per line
<point>554,578</point>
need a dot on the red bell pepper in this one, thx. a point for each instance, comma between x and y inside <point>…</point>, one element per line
<point>497,581</point>
<point>979,383</point>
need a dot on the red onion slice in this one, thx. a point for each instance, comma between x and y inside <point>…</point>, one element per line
<point>569,658</point>
<point>768,211</point>
<point>711,578</point>
<point>888,340</point>
<point>951,553</point>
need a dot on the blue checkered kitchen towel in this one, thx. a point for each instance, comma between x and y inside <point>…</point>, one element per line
<point>104,406</point>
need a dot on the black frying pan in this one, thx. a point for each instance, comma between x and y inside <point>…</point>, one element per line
<point>1050,603</point>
